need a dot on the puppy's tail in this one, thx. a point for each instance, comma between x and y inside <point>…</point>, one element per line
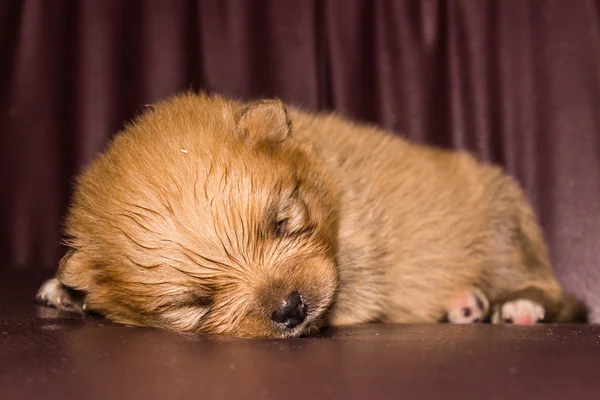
<point>572,310</point>
<point>564,307</point>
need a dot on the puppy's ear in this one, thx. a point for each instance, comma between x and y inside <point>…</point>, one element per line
<point>75,272</point>
<point>264,121</point>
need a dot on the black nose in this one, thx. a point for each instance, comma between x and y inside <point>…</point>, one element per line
<point>291,312</point>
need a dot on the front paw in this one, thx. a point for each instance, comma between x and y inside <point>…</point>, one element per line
<point>519,312</point>
<point>53,294</point>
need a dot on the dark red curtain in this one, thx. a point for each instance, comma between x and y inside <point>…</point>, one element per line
<point>515,81</point>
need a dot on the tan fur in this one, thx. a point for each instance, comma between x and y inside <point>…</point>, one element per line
<point>204,213</point>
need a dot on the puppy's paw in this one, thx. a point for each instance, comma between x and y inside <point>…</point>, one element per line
<point>470,307</point>
<point>519,312</point>
<point>53,294</point>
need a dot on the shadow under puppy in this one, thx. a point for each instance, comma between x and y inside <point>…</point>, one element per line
<point>209,215</point>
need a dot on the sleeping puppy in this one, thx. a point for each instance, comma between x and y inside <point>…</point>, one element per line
<point>253,220</point>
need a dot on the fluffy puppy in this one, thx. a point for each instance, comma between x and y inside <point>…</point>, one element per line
<point>253,220</point>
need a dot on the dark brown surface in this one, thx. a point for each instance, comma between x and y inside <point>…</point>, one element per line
<point>47,355</point>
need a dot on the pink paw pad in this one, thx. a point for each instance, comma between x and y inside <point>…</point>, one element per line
<point>519,312</point>
<point>468,308</point>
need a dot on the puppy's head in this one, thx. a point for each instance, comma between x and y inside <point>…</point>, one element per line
<point>206,216</point>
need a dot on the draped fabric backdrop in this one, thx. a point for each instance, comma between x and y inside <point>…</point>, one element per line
<point>515,81</point>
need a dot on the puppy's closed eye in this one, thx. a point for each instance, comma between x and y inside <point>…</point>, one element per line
<point>281,227</point>
<point>291,218</point>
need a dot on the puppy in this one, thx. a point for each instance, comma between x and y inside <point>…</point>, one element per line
<point>253,220</point>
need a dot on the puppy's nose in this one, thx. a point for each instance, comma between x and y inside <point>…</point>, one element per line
<point>291,312</point>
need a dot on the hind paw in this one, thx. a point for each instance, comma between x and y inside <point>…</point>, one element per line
<point>468,308</point>
<point>519,312</point>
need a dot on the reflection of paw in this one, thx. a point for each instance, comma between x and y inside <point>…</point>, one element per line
<point>519,312</point>
<point>470,307</point>
<point>53,294</point>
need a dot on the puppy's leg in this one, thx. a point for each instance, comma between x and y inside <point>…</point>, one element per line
<point>470,306</point>
<point>534,304</point>
<point>54,294</point>
<point>522,285</point>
